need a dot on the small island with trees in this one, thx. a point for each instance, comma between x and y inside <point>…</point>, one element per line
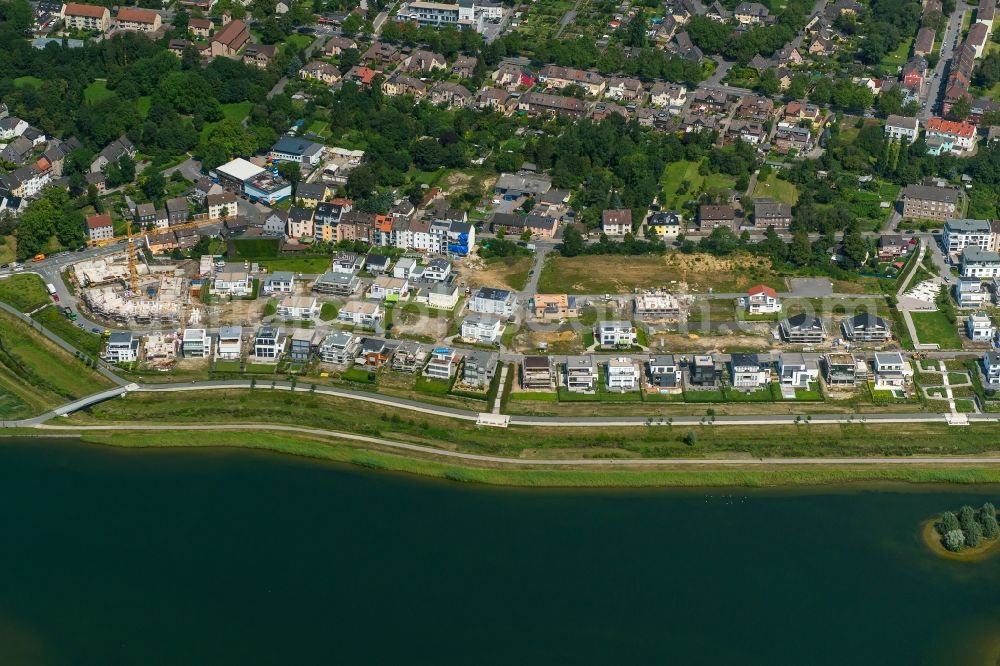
<point>968,535</point>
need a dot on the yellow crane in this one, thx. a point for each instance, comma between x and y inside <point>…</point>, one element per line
<point>133,273</point>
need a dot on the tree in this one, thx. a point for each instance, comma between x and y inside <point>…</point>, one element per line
<point>966,518</point>
<point>988,519</point>
<point>572,244</point>
<point>949,522</point>
<point>690,438</point>
<point>961,109</point>
<point>974,536</point>
<point>800,250</point>
<point>954,540</point>
<point>292,172</point>
<point>153,183</point>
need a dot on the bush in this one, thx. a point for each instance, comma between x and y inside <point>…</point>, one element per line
<point>954,540</point>
<point>988,519</point>
<point>690,438</point>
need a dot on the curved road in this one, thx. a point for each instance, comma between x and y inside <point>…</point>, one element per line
<point>616,462</point>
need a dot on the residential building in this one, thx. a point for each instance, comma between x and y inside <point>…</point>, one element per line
<point>902,129</point>
<point>803,329</point>
<point>442,364</point>
<point>536,373</point>
<point>361,313</point>
<point>843,370</point>
<point>797,370</point>
<point>300,222</point>
<point>752,13</point>
<point>347,262</point>
<point>424,62</point>
<point>970,293</point>
<point>233,282</point>
<point>374,353</point>
<point>320,72</point>
<point>279,282</point>
<point>865,328</point>
<point>666,224</point>
<point>479,368</point>
<point>624,89</point>
<point>133,19</point>
<point>378,264</point>
<point>269,343</point>
<point>177,210</point>
<point>702,371</point>
<point>581,374</point>
<point>230,346</point>
<point>615,333</point>
<point>668,95</point>
<point>259,55</point>
<point>298,307</point>
<point>337,284</point>
<point>489,300</point>
<point>749,371</point>
<point>979,263</point>
<point>891,246</point>
<point>336,45</point>
<point>222,205</point>
<point>979,327</point>
<point>991,370</point>
<point>196,343</point>
<point>616,222</point>
<point>408,357</point>
<point>389,289</point>
<point>549,307</point>
<point>442,295</point>
<point>924,44</point>
<point>339,348</point>
<point>891,371</point>
<point>518,185</point>
<point>539,226</point>
<point>558,77</point>
<point>538,103</point>
<point>771,213</point>
<point>482,328</point>
<point>761,299</point>
<point>451,95</point>
<point>950,136</point>
<point>621,374</point>
<point>122,347</point>
<point>664,374</point>
<point>436,270</point>
<point>78,16</point>
<point>713,216</point>
<point>960,234</point>
<point>113,152</point>
<point>100,227</point>
<point>929,202</point>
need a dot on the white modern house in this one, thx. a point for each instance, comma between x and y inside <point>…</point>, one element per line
<point>298,307</point>
<point>581,374</point>
<point>269,343</point>
<point>482,328</point>
<point>196,343</point>
<point>488,300</point>
<point>621,374</point>
<point>748,371</point>
<point>361,313</point>
<point>979,327</point>
<point>230,346</point>
<point>892,371</point>
<point>615,333</point>
<point>902,128</point>
<point>979,263</point>
<point>122,348</point>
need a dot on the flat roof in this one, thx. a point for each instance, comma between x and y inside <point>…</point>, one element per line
<point>239,169</point>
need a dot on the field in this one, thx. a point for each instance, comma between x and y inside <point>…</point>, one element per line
<point>257,248</point>
<point>777,189</point>
<point>26,292</point>
<point>609,274</point>
<point>8,249</point>
<point>509,272</point>
<point>97,91</point>
<point>294,264</point>
<point>37,372</point>
<point>934,328</point>
<point>686,172</point>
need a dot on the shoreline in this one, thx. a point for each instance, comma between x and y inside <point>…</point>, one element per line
<point>932,540</point>
<point>360,452</point>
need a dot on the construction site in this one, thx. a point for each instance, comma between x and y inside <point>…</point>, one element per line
<point>117,290</point>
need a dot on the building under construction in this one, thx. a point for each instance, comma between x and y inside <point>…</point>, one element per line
<point>114,290</point>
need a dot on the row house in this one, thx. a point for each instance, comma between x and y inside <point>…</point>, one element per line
<point>949,136</point>
<point>398,85</point>
<point>537,103</point>
<point>320,72</point>
<point>496,99</point>
<point>78,16</point>
<point>558,77</point>
<point>133,19</point>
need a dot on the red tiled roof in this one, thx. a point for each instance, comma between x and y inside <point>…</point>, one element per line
<point>136,15</point>
<point>951,127</point>
<point>762,289</point>
<point>93,11</point>
<point>98,221</point>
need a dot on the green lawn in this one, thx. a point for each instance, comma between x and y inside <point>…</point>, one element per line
<point>53,319</point>
<point>777,189</point>
<point>686,172</point>
<point>328,312</point>
<point>357,375</point>
<point>298,264</point>
<point>144,104</point>
<point>97,91</point>
<point>237,111</point>
<point>899,56</point>
<point>228,366</point>
<point>934,328</point>
<point>32,81</point>
<point>428,385</point>
<point>26,292</point>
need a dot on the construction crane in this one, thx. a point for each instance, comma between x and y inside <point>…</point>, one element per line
<point>173,227</point>
<point>133,273</point>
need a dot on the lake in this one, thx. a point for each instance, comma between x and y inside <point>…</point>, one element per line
<point>232,557</point>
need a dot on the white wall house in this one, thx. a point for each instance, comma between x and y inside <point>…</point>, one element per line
<point>621,374</point>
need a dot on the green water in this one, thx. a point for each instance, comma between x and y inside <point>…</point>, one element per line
<point>173,557</point>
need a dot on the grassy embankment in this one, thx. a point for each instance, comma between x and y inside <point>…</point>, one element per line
<point>344,451</point>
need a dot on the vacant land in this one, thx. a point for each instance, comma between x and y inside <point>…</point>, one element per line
<point>935,328</point>
<point>54,320</point>
<point>601,274</point>
<point>509,272</point>
<point>681,182</point>
<point>308,265</point>
<point>777,189</point>
<point>25,292</point>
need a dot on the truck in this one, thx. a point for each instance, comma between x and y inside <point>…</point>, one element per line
<point>52,291</point>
